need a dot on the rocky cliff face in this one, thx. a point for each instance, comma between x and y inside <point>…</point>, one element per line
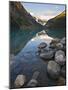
<point>20,17</point>
<point>57,22</point>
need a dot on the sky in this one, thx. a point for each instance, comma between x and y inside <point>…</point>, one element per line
<point>44,11</point>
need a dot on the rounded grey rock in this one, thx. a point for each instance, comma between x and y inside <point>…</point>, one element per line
<point>59,46</point>
<point>42,45</point>
<point>47,54</point>
<point>20,80</point>
<point>59,52</point>
<point>60,57</point>
<point>53,69</point>
<point>63,41</point>
<point>32,83</point>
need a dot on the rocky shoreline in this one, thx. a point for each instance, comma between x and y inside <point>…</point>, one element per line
<point>55,58</point>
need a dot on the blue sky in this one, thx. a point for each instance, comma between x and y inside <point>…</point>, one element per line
<point>44,11</point>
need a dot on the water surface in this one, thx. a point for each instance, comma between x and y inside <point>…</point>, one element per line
<point>19,37</point>
<point>27,61</point>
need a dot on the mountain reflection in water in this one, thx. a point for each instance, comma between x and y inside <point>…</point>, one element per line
<point>27,61</point>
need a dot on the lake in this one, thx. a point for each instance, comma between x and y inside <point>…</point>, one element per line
<point>27,60</point>
<point>56,33</point>
<point>19,38</point>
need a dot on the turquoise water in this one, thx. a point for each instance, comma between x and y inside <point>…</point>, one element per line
<point>19,38</point>
<point>56,33</point>
<point>27,61</point>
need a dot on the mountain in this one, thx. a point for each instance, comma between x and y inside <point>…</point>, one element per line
<point>22,27</point>
<point>57,22</point>
<point>19,17</point>
<point>40,21</point>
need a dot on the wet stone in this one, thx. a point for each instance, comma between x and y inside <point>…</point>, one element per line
<point>53,69</point>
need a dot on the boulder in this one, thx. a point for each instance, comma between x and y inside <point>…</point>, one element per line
<point>42,45</point>
<point>54,42</point>
<point>20,80</point>
<point>41,50</point>
<point>63,41</point>
<point>59,52</point>
<point>47,54</point>
<point>53,46</point>
<point>60,57</point>
<point>53,69</point>
<point>59,46</point>
<point>32,83</point>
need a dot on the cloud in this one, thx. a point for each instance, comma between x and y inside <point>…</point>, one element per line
<point>45,17</point>
<point>50,13</point>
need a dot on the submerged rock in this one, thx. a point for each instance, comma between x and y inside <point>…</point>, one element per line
<point>19,82</point>
<point>53,69</point>
<point>60,57</point>
<point>42,45</point>
<point>33,82</point>
<point>59,52</point>
<point>52,46</point>
<point>47,54</point>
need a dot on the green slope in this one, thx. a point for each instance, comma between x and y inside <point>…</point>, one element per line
<point>57,22</point>
<point>22,27</point>
<point>20,17</point>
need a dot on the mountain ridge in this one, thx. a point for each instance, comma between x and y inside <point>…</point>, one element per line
<point>20,17</point>
<point>58,21</point>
